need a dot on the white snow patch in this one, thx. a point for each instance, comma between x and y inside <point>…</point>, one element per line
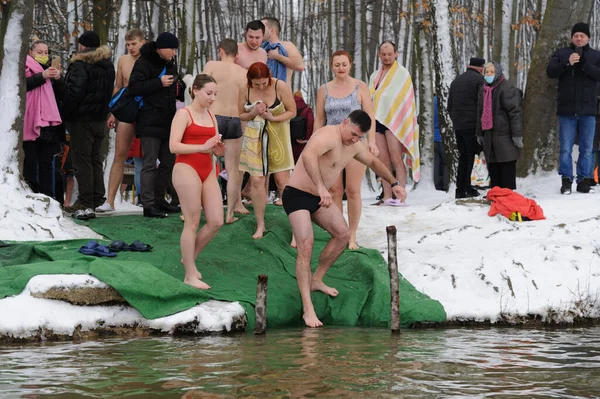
<point>23,315</point>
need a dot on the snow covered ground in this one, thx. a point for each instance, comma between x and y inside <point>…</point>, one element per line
<point>479,267</point>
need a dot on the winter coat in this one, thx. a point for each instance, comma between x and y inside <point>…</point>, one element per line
<point>576,83</point>
<point>89,84</point>
<point>155,117</point>
<point>53,134</point>
<point>462,99</point>
<point>507,113</point>
<point>303,109</point>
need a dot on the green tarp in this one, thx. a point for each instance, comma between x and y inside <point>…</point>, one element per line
<point>152,282</point>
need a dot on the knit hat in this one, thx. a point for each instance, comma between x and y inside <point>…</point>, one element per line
<point>89,39</point>
<point>476,62</point>
<point>581,27</point>
<point>167,40</point>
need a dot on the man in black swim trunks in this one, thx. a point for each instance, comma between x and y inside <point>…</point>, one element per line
<point>306,199</point>
<point>229,77</point>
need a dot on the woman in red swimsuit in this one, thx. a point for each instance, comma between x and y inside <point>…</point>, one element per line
<point>194,138</point>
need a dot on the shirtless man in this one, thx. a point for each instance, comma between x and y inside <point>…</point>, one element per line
<point>293,61</point>
<point>307,199</point>
<point>231,78</point>
<point>134,39</point>
<point>250,51</point>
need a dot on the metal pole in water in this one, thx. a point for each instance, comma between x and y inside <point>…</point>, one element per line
<point>260,309</point>
<point>394,283</point>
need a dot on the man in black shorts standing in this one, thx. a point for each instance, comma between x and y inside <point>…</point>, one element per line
<point>306,199</point>
<point>230,77</point>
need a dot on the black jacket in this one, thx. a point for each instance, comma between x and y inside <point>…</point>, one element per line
<point>88,85</point>
<point>52,134</point>
<point>576,83</point>
<point>462,99</point>
<point>508,123</point>
<point>155,117</point>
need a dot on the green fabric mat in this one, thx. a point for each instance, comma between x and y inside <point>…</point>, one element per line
<point>152,282</point>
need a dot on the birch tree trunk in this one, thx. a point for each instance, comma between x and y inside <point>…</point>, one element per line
<point>444,73</point>
<point>540,136</point>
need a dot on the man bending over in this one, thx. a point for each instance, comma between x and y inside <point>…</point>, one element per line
<point>306,199</point>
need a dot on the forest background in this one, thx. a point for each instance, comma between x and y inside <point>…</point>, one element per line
<point>435,40</point>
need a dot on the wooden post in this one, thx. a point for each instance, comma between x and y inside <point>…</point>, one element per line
<point>260,322</point>
<point>394,283</point>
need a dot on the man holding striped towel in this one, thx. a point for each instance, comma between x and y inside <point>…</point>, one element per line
<point>396,119</point>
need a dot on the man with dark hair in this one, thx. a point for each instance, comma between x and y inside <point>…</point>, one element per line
<point>306,199</point>
<point>160,91</point>
<point>250,51</point>
<point>462,106</point>
<point>577,69</point>
<point>283,57</point>
<point>230,78</point>
<point>88,89</point>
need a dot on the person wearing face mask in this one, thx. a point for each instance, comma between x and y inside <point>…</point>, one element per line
<point>577,69</point>
<point>500,126</point>
<point>43,130</point>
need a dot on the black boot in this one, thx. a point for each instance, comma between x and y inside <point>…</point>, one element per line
<point>154,211</point>
<point>169,208</point>
<point>566,186</point>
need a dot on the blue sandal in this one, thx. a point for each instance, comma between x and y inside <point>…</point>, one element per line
<point>102,250</point>
<point>88,249</point>
<point>118,246</point>
<point>139,246</point>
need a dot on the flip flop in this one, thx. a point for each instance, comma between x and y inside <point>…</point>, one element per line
<point>393,202</point>
<point>138,246</point>
<point>89,248</point>
<point>118,246</point>
<point>102,250</point>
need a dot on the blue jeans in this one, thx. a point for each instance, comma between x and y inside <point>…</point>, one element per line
<point>583,127</point>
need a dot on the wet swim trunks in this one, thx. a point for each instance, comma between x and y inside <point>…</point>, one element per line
<point>298,200</point>
<point>229,127</point>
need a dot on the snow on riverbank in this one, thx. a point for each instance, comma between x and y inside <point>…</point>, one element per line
<point>24,316</point>
<point>479,267</point>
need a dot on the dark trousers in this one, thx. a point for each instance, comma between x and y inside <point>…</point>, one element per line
<point>503,174</point>
<point>38,169</point>
<point>156,181</point>
<point>440,170</point>
<point>87,139</point>
<point>467,148</point>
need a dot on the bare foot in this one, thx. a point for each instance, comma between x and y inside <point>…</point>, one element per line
<point>279,202</point>
<point>320,286</point>
<point>241,210</point>
<point>182,218</point>
<point>353,245</point>
<point>311,319</point>
<point>231,219</point>
<point>258,234</point>
<point>198,274</point>
<point>196,283</point>
<point>293,243</point>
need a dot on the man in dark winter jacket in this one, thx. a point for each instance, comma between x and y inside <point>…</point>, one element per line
<point>577,68</point>
<point>153,124</point>
<point>462,106</point>
<point>88,89</point>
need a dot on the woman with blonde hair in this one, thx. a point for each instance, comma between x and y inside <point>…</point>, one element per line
<point>335,101</point>
<point>194,138</point>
